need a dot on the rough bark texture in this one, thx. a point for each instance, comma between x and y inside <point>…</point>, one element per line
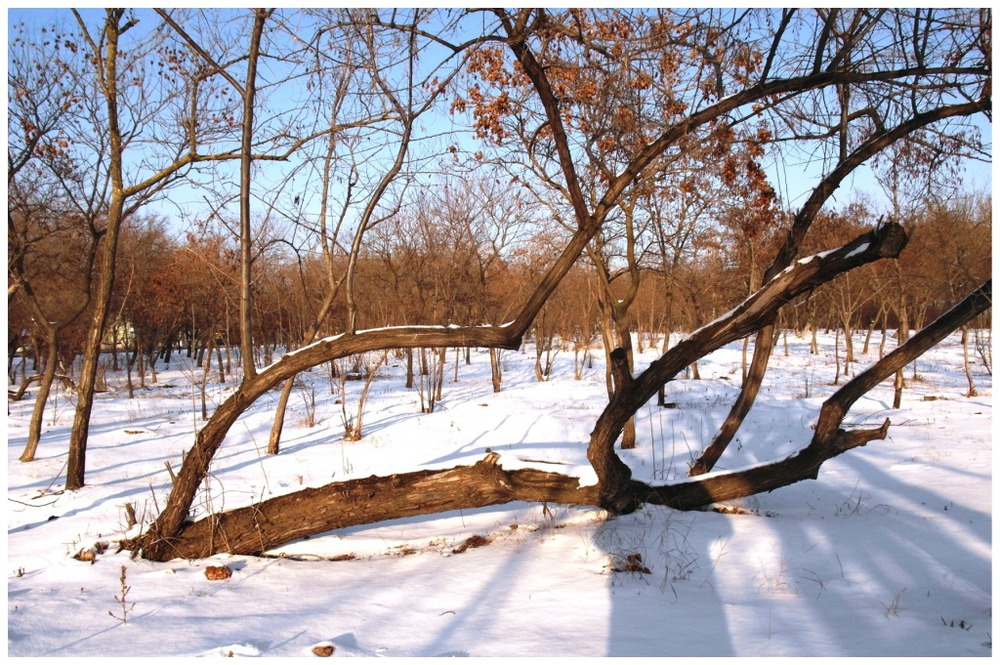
<point>76,462</point>
<point>246,164</point>
<point>262,526</point>
<point>44,387</point>
<point>793,241</point>
<point>617,491</point>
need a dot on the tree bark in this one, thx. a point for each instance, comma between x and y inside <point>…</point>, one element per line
<point>246,162</point>
<point>965,362</point>
<point>763,345</point>
<point>274,439</point>
<point>262,526</point>
<point>496,372</point>
<point>44,388</point>
<point>754,313</point>
<point>828,440</point>
<point>409,368</point>
<point>77,459</point>
<point>210,437</point>
<point>793,240</point>
<point>256,528</point>
<point>614,484</point>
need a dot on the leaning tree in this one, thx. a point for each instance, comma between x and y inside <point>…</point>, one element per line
<point>842,84</point>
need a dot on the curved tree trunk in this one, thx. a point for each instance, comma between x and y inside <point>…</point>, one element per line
<point>613,476</point>
<point>615,491</point>
<point>793,241</point>
<point>44,388</point>
<point>208,440</point>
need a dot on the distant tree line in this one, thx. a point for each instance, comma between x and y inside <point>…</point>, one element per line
<point>425,265</point>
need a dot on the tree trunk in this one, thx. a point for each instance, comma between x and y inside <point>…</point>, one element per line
<point>44,388</point>
<point>738,412</point>
<point>114,348</point>
<point>246,163</point>
<point>409,368</point>
<point>496,373</point>
<point>206,369</point>
<point>836,356</point>
<point>615,491</point>
<point>442,361</point>
<point>743,360</point>
<point>754,313</point>
<point>218,358</point>
<point>848,345</point>
<point>965,362</point>
<point>274,439</point>
<point>77,460</point>
<point>885,334</point>
<point>828,440</point>
<point>210,437</point>
<point>899,383</point>
<point>265,525</point>
<point>140,358</point>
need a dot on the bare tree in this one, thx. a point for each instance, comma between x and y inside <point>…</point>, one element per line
<point>120,80</point>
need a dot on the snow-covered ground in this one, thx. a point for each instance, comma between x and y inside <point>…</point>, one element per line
<point>888,553</point>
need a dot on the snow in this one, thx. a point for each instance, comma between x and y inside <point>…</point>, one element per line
<point>888,553</point>
<point>863,247</point>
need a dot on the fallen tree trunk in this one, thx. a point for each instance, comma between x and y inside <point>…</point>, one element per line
<point>256,528</point>
<point>262,526</point>
<point>210,437</point>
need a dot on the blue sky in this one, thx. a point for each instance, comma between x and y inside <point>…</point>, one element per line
<point>792,180</point>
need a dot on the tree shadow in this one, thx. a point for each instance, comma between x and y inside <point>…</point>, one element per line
<point>864,561</point>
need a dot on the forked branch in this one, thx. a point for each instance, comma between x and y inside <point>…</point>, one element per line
<point>829,438</point>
